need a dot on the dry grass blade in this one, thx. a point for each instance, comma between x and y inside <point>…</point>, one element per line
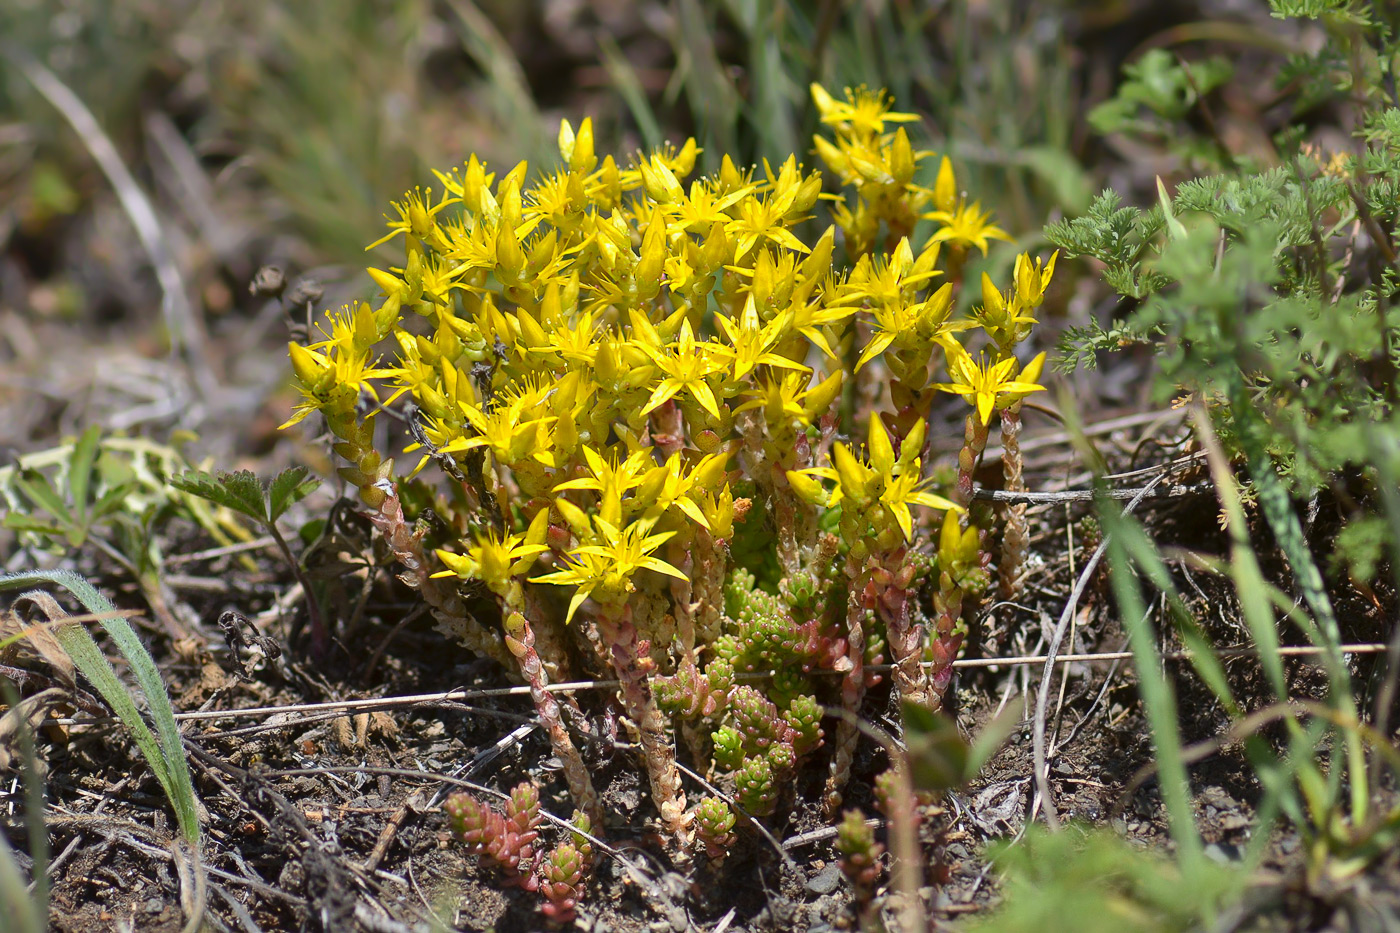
<point>24,717</point>
<point>41,639</point>
<point>185,328</point>
<point>1042,702</point>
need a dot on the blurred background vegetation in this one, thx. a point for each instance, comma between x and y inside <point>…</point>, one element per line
<point>272,132</point>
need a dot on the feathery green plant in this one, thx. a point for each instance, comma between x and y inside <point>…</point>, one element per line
<point>1270,297</point>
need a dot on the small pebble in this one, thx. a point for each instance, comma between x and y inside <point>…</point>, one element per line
<point>826,880</point>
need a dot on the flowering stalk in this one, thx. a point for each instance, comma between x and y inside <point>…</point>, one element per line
<point>986,387</point>
<point>1015,536</point>
<point>961,571</point>
<point>1007,320</point>
<point>502,564</point>
<point>852,693</point>
<point>875,498</point>
<point>660,754</point>
<point>551,329</point>
<point>888,593</point>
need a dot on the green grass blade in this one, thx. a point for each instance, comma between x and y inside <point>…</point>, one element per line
<point>165,755</point>
<point>1283,520</point>
<point>28,910</point>
<point>80,472</point>
<point>39,491</point>
<point>21,909</point>
<point>1157,697</point>
<point>711,92</point>
<point>510,96</point>
<point>1253,590</point>
<point>774,116</point>
<point>1250,586</point>
<point>626,83</point>
<point>1203,658</point>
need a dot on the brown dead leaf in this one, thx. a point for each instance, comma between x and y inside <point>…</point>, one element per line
<point>28,714</point>
<point>39,637</point>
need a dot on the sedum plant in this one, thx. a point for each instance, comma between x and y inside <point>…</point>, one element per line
<point>506,839</point>
<point>638,386</point>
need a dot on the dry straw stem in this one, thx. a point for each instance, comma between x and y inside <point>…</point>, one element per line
<point>337,708</point>
<point>1042,702</point>
<point>184,327</point>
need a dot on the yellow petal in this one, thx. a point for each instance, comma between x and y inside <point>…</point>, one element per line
<point>807,488</point>
<point>660,566</point>
<point>945,189</point>
<point>881,450</point>
<point>701,390</point>
<point>878,344</point>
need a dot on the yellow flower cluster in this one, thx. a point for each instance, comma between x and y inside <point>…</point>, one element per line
<point>603,354</point>
<point>575,328</point>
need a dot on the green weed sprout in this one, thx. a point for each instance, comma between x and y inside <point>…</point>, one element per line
<point>635,380</point>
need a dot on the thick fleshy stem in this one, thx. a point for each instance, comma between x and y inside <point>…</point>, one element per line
<point>505,839</point>
<point>785,519</point>
<point>550,646</point>
<point>889,590</point>
<point>1015,538</point>
<point>974,442</point>
<point>441,596</point>
<point>910,393</point>
<point>681,551</point>
<point>948,635</point>
<point>520,639</point>
<point>667,428</point>
<point>859,858</point>
<point>711,561</point>
<point>852,692</point>
<point>615,626</point>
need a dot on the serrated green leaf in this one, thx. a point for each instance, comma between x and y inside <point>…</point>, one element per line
<point>239,491</point>
<point>288,488</point>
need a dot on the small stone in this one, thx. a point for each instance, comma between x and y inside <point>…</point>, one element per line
<point>1223,853</point>
<point>826,880</point>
